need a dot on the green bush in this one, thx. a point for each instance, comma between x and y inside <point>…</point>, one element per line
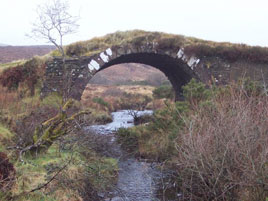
<point>128,139</point>
<point>195,91</point>
<point>143,119</point>
<point>251,88</point>
<point>164,91</point>
<point>100,101</point>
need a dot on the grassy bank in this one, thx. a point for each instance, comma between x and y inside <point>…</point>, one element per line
<point>76,170</point>
<point>69,167</point>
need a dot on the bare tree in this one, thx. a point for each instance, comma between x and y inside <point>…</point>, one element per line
<point>53,23</point>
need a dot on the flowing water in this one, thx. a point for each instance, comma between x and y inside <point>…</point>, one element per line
<point>137,180</point>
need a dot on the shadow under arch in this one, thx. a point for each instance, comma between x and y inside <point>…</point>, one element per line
<point>177,72</point>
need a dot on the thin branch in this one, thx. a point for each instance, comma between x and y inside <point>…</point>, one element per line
<point>52,178</point>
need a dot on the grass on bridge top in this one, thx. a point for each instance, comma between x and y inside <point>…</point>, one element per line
<point>193,46</point>
<point>119,38</point>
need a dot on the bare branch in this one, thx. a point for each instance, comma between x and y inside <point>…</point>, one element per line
<point>52,178</point>
<point>54,22</point>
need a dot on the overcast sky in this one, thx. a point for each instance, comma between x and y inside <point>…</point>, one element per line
<point>239,21</point>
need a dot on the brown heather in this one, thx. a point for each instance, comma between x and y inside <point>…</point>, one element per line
<point>222,152</point>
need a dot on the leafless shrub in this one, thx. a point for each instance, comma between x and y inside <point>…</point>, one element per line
<point>223,151</point>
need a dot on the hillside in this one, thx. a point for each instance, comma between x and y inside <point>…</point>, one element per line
<point>12,53</point>
<point>2,44</point>
<point>131,73</point>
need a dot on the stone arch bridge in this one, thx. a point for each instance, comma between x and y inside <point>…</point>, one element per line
<point>179,67</point>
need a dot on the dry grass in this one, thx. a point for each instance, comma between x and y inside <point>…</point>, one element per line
<point>35,172</point>
<point>7,98</point>
<point>100,90</point>
<point>114,96</point>
<point>142,90</point>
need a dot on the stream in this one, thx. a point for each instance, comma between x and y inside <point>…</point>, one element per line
<point>137,180</point>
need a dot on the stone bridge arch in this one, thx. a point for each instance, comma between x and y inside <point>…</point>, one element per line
<point>216,62</point>
<point>177,67</point>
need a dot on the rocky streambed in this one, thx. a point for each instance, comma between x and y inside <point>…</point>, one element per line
<point>137,180</point>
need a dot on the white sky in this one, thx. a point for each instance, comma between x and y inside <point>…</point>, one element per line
<point>239,21</point>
